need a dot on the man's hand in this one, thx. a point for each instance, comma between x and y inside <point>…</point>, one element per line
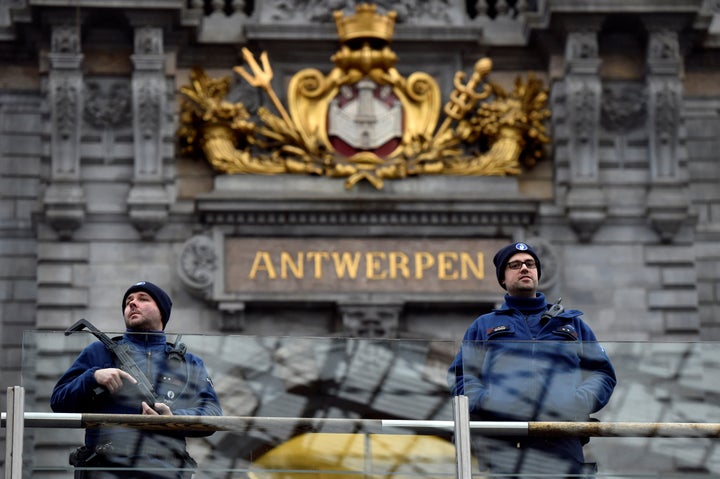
<point>112,379</point>
<point>161,409</point>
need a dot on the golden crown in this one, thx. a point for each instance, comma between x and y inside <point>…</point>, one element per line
<point>366,23</point>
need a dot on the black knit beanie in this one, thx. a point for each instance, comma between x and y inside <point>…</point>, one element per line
<point>503,256</point>
<point>161,298</point>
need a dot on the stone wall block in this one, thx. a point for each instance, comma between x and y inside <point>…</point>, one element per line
<point>678,276</point>
<point>55,274</point>
<point>52,296</point>
<point>678,321</point>
<point>63,251</point>
<point>668,255</point>
<point>17,267</point>
<point>673,299</point>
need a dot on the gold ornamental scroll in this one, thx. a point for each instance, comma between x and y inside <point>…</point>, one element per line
<point>380,265</point>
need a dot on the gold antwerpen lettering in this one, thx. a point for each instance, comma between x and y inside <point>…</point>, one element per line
<point>398,265</point>
<point>262,262</point>
<point>346,263</point>
<point>477,267</point>
<point>297,266</point>
<point>375,265</point>
<point>446,261</point>
<point>317,258</point>
<point>423,262</point>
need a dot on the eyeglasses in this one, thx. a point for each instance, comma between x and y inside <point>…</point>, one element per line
<point>530,263</point>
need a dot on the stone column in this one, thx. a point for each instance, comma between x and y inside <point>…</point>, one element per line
<point>64,200</point>
<point>668,201</point>
<point>148,200</point>
<point>586,205</point>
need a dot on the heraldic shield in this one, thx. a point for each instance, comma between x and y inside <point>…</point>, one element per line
<point>364,121</point>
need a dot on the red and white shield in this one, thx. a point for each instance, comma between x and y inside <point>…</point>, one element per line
<point>365,116</point>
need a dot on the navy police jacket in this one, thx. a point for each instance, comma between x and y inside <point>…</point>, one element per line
<point>515,366</point>
<point>184,385</point>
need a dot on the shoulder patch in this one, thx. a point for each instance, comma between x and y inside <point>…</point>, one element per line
<point>496,329</point>
<point>568,329</point>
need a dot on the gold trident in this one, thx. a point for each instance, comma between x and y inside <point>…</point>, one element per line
<point>262,79</point>
<point>464,97</point>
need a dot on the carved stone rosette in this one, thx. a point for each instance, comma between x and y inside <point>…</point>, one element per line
<point>197,264</point>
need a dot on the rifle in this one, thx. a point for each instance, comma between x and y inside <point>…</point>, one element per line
<point>122,353</point>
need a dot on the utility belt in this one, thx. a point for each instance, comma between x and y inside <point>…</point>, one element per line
<point>120,452</point>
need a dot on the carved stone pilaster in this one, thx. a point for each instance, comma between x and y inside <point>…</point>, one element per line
<point>370,320</point>
<point>585,202</point>
<point>668,202</point>
<point>64,200</point>
<point>664,102</point>
<point>148,200</point>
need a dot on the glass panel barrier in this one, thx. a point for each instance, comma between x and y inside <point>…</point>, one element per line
<point>315,408</point>
<point>326,408</point>
<point>650,392</point>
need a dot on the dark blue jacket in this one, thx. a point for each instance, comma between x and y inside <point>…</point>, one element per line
<point>184,385</point>
<point>515,366</point>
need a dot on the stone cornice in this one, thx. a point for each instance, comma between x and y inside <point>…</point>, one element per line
<point>252,24</point>
<point>307,201</point>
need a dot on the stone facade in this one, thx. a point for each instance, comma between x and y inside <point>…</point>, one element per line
<point>95,195</point>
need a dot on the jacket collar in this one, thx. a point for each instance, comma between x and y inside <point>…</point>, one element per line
<point>145,338</point>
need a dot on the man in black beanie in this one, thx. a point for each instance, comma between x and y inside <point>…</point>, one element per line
<point>530,361</point>
<point>95,383</point>
<point>162,301</point>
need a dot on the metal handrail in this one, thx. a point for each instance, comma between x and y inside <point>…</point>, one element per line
<point>494,428</point>
<point>17,419</point>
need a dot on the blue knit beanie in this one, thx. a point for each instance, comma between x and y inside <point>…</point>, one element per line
<point>161,298</point>
<point>503,256</point>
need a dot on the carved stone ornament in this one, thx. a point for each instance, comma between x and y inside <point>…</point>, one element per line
<point>65,39</point>
<point>149,113</point>
<point>107,105</point>
<point>371,321</point>
<point>66,97</point>
<point>197,263</point>
<point>364,120</point>
<point>148,41</point>
<point>623,107</point>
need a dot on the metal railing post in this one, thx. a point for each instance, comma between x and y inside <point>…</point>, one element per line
<point>463,458</point>
<point>15,426</point>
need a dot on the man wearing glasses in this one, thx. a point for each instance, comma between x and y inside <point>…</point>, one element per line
<point>530,361</point>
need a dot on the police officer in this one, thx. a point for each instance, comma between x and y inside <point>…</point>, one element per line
<point>530,361</point>
<point>96,384</point>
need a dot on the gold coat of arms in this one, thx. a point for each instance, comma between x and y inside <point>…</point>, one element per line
<point>364,120</point>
